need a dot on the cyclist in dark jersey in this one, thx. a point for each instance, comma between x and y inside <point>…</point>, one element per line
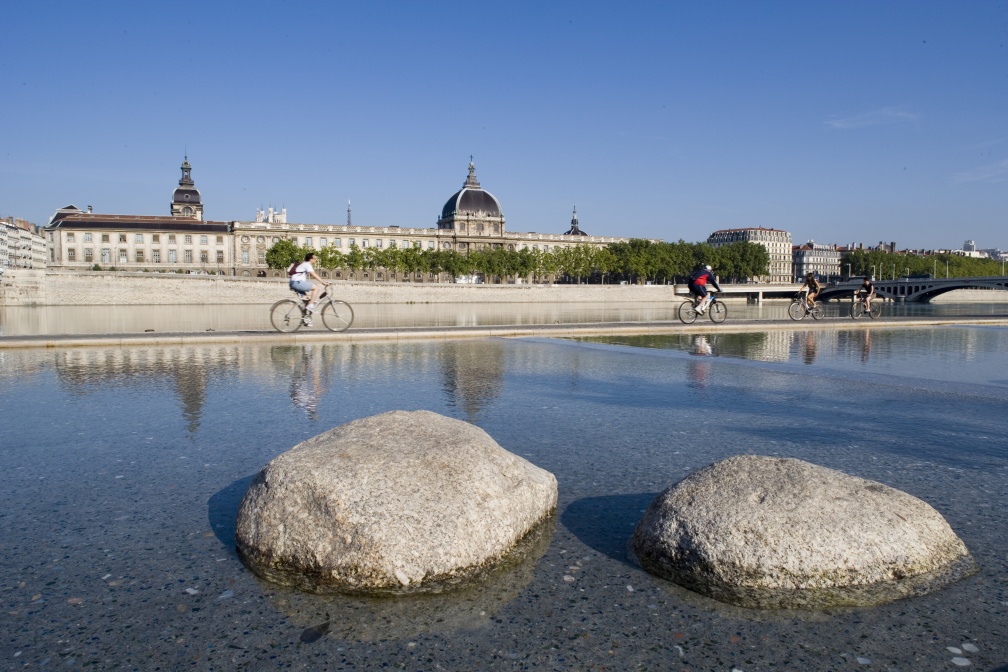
<point>697,283</point>
<point>867,292</point>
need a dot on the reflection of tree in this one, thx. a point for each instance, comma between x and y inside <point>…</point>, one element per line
<point>85,370</point>
<point>472,372</point>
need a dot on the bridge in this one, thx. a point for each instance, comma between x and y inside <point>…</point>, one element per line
<point>914,290</point>
<point>906,289</point>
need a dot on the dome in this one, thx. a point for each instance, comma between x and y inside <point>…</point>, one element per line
<point>186,195</point>
<point>471,199</point>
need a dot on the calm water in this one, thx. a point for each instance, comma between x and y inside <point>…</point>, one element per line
<point>67,320</point>
<point>120,472</point>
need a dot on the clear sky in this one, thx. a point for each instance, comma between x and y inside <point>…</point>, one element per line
<point>837,121</point>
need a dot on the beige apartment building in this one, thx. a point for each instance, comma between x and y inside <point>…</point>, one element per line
<point>776,241</point>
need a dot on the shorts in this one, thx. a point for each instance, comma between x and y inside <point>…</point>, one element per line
<point>301,286</point>
<point>699,290</point>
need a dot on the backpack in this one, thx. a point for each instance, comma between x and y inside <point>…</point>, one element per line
<point>292,270</point>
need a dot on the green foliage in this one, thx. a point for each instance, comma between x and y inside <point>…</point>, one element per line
<point>635,261</point>
<point>886,266</point>
<point>283,253</point>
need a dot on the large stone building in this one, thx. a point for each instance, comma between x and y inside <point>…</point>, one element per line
<point>776,242</point>
<point>182,242</point>
<point>813,257</point>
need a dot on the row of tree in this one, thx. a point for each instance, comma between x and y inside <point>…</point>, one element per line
<point>886,266</point>
<point>635,261</point>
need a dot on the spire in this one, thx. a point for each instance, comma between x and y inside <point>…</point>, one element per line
<point>471,181</point>
<point>348,212</point>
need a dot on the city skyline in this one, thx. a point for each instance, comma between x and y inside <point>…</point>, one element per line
<point>855,123</point>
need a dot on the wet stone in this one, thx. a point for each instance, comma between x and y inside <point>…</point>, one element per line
<point>394,503</point>
<point>772,532</point>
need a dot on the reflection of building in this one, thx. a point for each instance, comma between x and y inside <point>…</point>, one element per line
<point>473,373</point>
<point>188,369</point>
<point>817,258</point>
<point>777,243</point>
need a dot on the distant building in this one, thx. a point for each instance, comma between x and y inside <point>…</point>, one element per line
<point>22,244</point>
<point>818,258</point>
<point>181,242</point>
<point>471,219</point>
<point>776,242</point>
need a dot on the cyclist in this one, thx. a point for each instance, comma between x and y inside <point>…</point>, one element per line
<point>697,283</point>
<point>866,292</point>
<point>299,275</point>
<point>811,288</point>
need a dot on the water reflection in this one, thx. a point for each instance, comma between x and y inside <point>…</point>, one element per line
<point>309,374</point>
<point>472,373</point>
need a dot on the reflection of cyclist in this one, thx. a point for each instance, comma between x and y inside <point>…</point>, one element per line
<point>811,287</point>
<point>299,283</point>
<point>867,292</point>
<point>697,283</point>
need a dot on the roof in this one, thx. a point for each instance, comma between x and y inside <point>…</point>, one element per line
<point>85,220</point>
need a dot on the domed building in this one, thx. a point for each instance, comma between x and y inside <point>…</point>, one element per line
<point>186,197</point>
<point>472,211</point>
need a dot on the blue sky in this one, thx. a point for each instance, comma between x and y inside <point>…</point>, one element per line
<point>837,121</point>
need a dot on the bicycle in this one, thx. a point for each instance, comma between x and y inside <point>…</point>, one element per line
<point>289,315</point>
<point>799,309</point>
<point>858,308</point>
<point>715,309</point>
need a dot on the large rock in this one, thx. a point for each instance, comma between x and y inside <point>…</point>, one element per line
<point>394,503</point>
<point>776,532</point>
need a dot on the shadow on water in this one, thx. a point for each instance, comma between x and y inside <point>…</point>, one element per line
<point>606,523</point>
<point>222,510</point>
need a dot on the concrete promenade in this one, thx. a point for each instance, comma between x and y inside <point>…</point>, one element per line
<point>319,335</point>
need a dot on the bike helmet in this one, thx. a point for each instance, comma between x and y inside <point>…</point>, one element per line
<point>707,267</point>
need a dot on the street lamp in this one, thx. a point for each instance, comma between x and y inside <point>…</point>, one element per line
<point>848,269</point>
<point>873,272</point>
<point>894,271</point>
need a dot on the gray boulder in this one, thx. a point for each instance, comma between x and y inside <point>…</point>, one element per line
<point>783,533</point>
<point>400,502</point>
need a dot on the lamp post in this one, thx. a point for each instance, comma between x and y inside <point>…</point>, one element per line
<point>946,269</point>
<point>873,272</point>
<point>848,269</point>
<point>894,271</point>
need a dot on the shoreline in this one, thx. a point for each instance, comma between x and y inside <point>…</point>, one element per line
<point>465,332</point>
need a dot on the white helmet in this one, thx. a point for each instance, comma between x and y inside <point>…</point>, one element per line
<point>707,267</point>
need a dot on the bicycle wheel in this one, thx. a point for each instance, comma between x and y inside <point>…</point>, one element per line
<point>876,309</point>
<point>818,313</point>
<point>856,309</point>
<point>285,315</point>
<point>796,311</point>
<point>718,312</point>
<point>687,313</point>
<point>337,315</point>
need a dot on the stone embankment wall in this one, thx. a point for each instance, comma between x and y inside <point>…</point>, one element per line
<point>22,286</point>
<point>89,289</point>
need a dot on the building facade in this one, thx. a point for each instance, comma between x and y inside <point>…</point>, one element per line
<point>22,244</point>
<point>812,257</point>
<point>776,242</point>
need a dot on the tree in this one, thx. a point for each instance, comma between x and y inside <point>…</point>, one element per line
<point>283,253</point>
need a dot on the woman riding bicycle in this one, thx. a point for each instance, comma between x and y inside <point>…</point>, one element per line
<point>812,287</point>
<point>299,283</point>
<point>867,292</point>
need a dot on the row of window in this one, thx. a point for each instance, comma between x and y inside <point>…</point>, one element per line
<point>139,257</point>
<point>187,238</point>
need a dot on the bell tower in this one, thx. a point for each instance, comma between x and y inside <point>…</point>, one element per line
<point>186,200</point>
